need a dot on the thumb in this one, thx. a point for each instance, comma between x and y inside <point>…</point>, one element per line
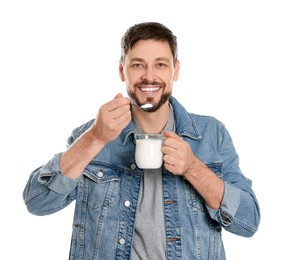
<point>170,134</point>
<point>119,95</point>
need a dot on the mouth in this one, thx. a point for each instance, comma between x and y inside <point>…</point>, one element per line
<point>149,90</point>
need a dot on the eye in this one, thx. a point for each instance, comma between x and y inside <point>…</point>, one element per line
<point>137,65</point>
<point>161,65</point>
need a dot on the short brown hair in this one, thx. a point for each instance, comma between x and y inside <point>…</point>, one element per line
<point>148,31</point>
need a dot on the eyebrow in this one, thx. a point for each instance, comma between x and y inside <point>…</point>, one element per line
<point>157,59</point>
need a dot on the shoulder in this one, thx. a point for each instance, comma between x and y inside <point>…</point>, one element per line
<point>206,119</point>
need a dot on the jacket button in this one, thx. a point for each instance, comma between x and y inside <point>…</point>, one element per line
<point>127,203</point>
<point>122,241</point>
<point>100,174</point>
<point>133,166</point>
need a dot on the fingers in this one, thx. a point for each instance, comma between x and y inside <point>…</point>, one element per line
<point>117,106</point>
<point>112,118</point>
<point>172,140</point>
<point>117,110</point>
<point>170,134</point>
<point>176,152</point>
<point>119,95</point>
<point>117,102</point>
<point>120,111</point>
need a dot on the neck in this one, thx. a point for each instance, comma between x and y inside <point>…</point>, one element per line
<point>152,122</point>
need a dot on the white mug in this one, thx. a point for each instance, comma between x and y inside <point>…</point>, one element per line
<point>148,151</point>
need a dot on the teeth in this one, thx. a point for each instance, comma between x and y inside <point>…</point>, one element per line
<point>149,89</point>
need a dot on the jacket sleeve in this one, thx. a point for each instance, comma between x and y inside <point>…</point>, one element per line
<point>239,212</point>
<point>47,191</point>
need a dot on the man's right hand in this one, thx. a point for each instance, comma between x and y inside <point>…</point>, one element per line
<point>111,119</point>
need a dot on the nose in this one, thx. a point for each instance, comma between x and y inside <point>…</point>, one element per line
<point>149,74</point>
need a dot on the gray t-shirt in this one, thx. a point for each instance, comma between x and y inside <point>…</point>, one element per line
<point>149,235</point>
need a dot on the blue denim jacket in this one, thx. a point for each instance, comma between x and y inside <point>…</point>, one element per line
<point>107,192</point>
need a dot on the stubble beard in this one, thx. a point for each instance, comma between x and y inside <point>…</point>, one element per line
<point>164,98</point>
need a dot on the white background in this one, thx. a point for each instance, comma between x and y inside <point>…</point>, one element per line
<point>59,63</point>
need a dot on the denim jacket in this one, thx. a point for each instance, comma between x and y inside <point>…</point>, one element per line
<point>107,192</point>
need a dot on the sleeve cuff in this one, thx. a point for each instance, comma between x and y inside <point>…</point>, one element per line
<point>51,176</point>
<point>229,206</point>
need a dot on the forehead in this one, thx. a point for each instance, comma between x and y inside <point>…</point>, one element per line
<point>150,49</point>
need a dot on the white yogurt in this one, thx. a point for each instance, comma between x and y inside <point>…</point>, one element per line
<point>148,151</point>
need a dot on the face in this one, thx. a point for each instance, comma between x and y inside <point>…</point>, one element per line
<point>149,72</point>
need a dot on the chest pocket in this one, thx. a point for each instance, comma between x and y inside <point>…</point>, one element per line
<point>98,186</point>
<point>194,199</point>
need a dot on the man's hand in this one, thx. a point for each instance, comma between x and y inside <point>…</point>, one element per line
<point>178,156</point>
<point>111,119</point>
<point>180,160</point>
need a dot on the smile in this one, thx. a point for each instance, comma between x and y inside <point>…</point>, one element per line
<point>149,89</point>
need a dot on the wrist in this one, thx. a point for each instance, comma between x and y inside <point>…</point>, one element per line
<point>196,166</point>
<point>94,138</point>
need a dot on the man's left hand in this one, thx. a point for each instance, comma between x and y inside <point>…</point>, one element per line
<point>178,156</point>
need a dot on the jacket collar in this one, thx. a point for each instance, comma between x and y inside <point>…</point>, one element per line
<point>185,124</point>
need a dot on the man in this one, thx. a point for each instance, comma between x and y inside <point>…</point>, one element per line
<point>123,212</point>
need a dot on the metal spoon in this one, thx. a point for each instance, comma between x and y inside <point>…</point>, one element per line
<point>143,107</point>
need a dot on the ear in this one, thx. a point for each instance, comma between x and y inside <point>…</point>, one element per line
<point>176,70</point>
<point>121,72</point>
